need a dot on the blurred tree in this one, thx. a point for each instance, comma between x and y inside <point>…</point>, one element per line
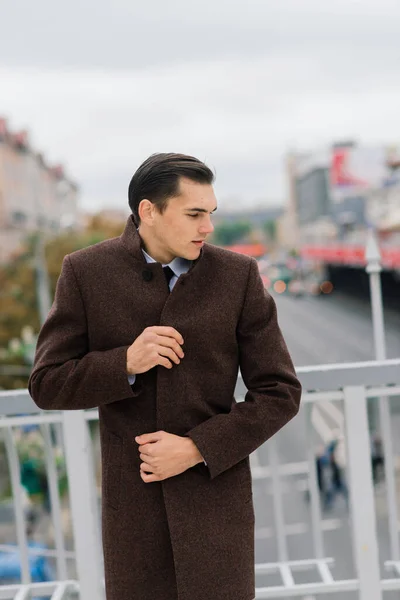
<point>270,230</point>
<point>18,301</point>
<point>227,233</point>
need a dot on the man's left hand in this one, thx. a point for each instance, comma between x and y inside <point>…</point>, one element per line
<point>165,455</point>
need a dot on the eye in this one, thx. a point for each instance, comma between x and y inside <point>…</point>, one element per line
<point>194,216</point>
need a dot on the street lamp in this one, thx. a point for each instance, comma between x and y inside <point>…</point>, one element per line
<point>374,268</point>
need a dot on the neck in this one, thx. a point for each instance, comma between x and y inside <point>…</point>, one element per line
<point>153,248</point>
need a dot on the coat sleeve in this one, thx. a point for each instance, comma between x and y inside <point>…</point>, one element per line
<point>65,374</point>
<point>273,390</point>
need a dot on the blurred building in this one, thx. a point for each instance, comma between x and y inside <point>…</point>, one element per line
<point>288,223</point>
<point>254,215</point>
<point>335,194</point>
<point>33,194</point>
<point>383,203</point>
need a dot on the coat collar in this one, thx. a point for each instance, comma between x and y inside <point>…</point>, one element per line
<point>132,242</point>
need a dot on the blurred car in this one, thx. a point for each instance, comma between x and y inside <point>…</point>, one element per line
<point>314,286</point>
<point>296,287</point>
<point>279,277</point>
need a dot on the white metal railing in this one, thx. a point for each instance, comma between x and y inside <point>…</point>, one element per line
<point>345,387</point>
<point>59,590</point>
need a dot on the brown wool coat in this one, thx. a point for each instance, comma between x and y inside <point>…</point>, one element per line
<point>190,537</point>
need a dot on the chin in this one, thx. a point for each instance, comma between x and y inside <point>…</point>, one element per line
<point>188,253</point>
<point>195,253</point>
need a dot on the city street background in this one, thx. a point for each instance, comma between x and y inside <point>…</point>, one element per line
<point>320,330</point>
<point>295,107</point>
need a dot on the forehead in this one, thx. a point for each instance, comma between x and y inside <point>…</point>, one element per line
<point>193,194</point>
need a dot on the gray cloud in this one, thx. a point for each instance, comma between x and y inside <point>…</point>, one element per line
<point>124,34</point>
<point>102,85</point>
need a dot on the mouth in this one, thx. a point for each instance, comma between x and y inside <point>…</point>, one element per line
<point>199,244</point>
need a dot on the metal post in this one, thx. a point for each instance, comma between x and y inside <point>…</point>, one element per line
<point>363,520</point>
<point>55,504</point>
<point>277,500</point>
<point>15,476</point>
<point>314,491</point>
<point>374,269</point>
<point>84,507</point>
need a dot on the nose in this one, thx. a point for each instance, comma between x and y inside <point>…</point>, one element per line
<point>206,227</point>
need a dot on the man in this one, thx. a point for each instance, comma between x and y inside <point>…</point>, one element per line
<point>158,352</point>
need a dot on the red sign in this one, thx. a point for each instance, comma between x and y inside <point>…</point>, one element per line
<point>341,254</point>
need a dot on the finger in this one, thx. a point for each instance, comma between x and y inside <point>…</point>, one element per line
<point>146,450</point>
<point>146,458</point>
<point>147,438</point>
<point>146,468</point>
<point>170,343</point>
<point>149,478</point>
<point>164,362</point>
<point>168,353</point>
<point>167,331</point>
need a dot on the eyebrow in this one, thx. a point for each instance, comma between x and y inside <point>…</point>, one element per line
<point>200,210</point>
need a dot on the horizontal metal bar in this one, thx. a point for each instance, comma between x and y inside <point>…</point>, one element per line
<point>393,565</point>
<point>15,402</point>
<point>319,377</point>
<point>92,414</point>
<point>296,565</point>
<point>339,375</point>
<point>30,420</point>
<point>8,592</point>
<point>263,533</point>
<point>285,470</point>
<point>350,585</point>
<point>390,585</point>
<point>387,391</point>
<point>37,551</point>
<point>369,373</point>
<point>322,396</point>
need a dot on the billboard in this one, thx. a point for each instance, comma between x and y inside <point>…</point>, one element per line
<point>356,170</point>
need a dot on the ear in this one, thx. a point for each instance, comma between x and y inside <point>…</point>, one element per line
<point>146,211</point>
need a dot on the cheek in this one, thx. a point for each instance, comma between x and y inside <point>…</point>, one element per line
<point>179,232</point>
<point>173,235</point>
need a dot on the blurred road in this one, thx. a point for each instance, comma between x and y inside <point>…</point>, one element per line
<point>331,329</point>
<point>318,330</point>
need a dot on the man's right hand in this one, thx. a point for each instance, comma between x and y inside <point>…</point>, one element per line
<point>155,346</point>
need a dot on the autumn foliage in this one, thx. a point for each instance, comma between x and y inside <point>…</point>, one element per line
<point>18,297</point>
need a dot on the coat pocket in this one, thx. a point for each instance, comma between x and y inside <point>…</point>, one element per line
<point>112,471</point>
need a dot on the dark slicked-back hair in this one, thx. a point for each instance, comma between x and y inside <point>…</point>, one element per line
<point>157,179</point>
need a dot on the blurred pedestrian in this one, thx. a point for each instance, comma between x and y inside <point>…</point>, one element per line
<point>336,455</point>
<point>377,458</point>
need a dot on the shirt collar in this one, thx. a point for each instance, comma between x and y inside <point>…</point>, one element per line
<point>178,265</point>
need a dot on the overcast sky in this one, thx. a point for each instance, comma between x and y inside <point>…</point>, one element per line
<point>101,85</point>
